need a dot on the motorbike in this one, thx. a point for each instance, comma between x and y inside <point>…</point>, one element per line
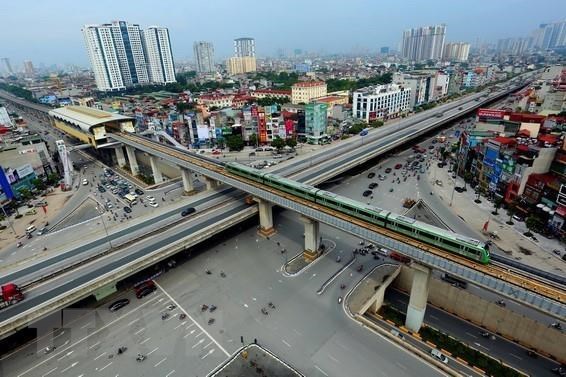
<point>212,308</point>
<point>211,321</point>
<point>264,312</point>
<point>19,244</point>
<point>208,272</point>
<point>271,305</point>
<point>338,259</point>
<point>204,308</point>
<point>532,354</point>
<point>140,357</point>
<point>360,268</point>
<point>182,316</point>
<point>222,274</point>
<point>501,303</point>
<point>556,325</point>
<point>485,334</point>
<point>164,316</point>
<point>48,349</point>
<point>121,350</point>
<point>391,189</point>
<point>342,286</point>
<point>340,299</point>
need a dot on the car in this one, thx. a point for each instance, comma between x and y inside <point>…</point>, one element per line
<point>518,218</point>
<point>42,231</point>
<point>382,177</point>
<point>439,356</point>
<point>154,204</point>
<point>459,189</point>
<point>373,185</point>
<point>188,211</point>
<point>388,170</point>
<point>268,149</point>
<point>460,108</point>
<point>441,164</point>
<point>85,182</point>
<point>117,305</point>
<point>138,191</point>
<point>259,149</point>
<point>101,189</point>
<point>145,291</point>
<point>371,175</point>
<point>422,170</point>
<point>431,147</point>
<point>367,193</point>
<point>109,205</point>
<point>127,210</point>
<point>251,154</point>
<point>397,334</point>
<point>150,198</point>
<point>216,152</point>
<point>398,166</point>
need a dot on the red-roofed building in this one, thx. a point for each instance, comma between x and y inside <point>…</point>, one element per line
<point>272,93</point>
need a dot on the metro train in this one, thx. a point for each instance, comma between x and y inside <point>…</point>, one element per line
<point>454,243</point>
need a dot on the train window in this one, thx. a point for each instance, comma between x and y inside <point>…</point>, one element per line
<point>451,244</point>
<point>404,227</point>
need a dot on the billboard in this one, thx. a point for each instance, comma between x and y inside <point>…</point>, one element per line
<point>202,132</point>
<point>491,113</point>
<point>24,170</point>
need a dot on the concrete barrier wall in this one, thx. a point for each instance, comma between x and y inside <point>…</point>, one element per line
<point>494,318</point>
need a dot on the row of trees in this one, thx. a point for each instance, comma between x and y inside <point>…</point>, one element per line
<point>236,143</point>
<point>334,85</point>
<point>18,91</point>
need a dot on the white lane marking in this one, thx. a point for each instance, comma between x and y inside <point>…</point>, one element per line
<point>205,347</point>
<point>287,344</point>
<point>189,326</point>
<point>104,367</point>
<point>401,366</point>
<point>99,356</point>
<point>187,335</point>
<point>132,322</point>
<point>145,340</point>
<point>197,343</point>
<point>254,299</point>
<point>170,373</point>
<point>333,358</point>
<point>140,330</point>
<point>51,371</point>
<point>94,345</point>
<point>479,345</point>
<point>433,317</point>
<point>69,367</point>
<point>65,355</point>
<point>179,325</point>
<point>208,353</point>
<point>199,334</point>
<point>191,318</point>
<point>82,327</point>
<point>320,370</point>
<point>58,335</point>
<point>159,363</point>
<point>87,337</point>
<point>152,351</point>
<point>516,357</point>
<point>170,317</point>
<point>473,336</point>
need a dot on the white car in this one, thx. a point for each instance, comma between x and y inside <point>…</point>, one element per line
<point>154,204</point>
<point>85,182</point>
<point>150,198</point>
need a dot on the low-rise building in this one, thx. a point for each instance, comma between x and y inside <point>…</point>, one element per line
<point>381,102</point>
<point>332,101</point>
<point>272,93</point>
<point>305,91</point>
<point>316,120</point>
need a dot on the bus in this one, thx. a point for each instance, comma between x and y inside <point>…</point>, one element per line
<point>130,199</point>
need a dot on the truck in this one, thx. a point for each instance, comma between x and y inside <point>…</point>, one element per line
<point>11,294</point>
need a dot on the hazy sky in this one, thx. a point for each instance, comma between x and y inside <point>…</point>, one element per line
<point>50,31</point>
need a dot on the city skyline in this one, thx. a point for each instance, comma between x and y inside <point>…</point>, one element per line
<point>62,43</point>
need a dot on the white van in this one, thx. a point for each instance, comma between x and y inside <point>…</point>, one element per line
<point>30,229</point>
<point>439,355</point>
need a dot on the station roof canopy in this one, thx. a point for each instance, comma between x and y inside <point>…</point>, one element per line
<point>86,117</point>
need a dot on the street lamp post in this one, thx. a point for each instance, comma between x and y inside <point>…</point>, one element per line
<point>101,212</point>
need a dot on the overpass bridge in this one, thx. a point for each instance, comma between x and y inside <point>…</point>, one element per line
<point>387,139</point>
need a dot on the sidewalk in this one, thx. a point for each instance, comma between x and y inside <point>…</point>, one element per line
<point>512,242</point>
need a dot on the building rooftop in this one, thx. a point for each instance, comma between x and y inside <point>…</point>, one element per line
<point>86,117</point>
<point>308,84</point>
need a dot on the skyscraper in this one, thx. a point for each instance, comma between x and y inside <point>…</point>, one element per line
<point>29,71</point>
<point>550,35</point>
<point>204,56</point>
<point>120,60</point>
<point>244,47</point>
<point>7,66</point>
<point>423,43</point>
<point>158,55</point>
<point>456,51</point>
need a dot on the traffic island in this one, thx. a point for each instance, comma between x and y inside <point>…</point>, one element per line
<point>254,360</point>
<point>299,262</point>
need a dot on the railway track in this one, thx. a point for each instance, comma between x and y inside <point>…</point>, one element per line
<point>531,283</point>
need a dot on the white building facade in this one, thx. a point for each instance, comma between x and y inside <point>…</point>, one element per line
<point>457,51</point>
<point>159,55</point>
<point>381,102</point>
<point>423,43</point>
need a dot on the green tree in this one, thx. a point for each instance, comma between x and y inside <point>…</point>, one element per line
<point>235,142</point>
<point>25,194</point>
<point>38,184</point>
<point>356,128</point>
<point>496,205</point>
<point>531,222</point>
<point>292,143</point>
<point>376,123</point>
<point>268,101</point>
<point>253,140</point>
<point>278,143</point>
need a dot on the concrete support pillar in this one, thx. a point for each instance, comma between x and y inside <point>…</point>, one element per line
<point>188,184</point>
<point>157,177</point>
<point>312,239</point>
<point>120,156</point>
<point>210,183</point>
<point>134,168</point>
<point>419,295</point>
<point>265,218</point>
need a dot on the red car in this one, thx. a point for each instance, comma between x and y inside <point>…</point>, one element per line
<point>398,166</point>
<point>216,152</point>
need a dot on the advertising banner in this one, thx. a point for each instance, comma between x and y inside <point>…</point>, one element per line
<point>491,113</point>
